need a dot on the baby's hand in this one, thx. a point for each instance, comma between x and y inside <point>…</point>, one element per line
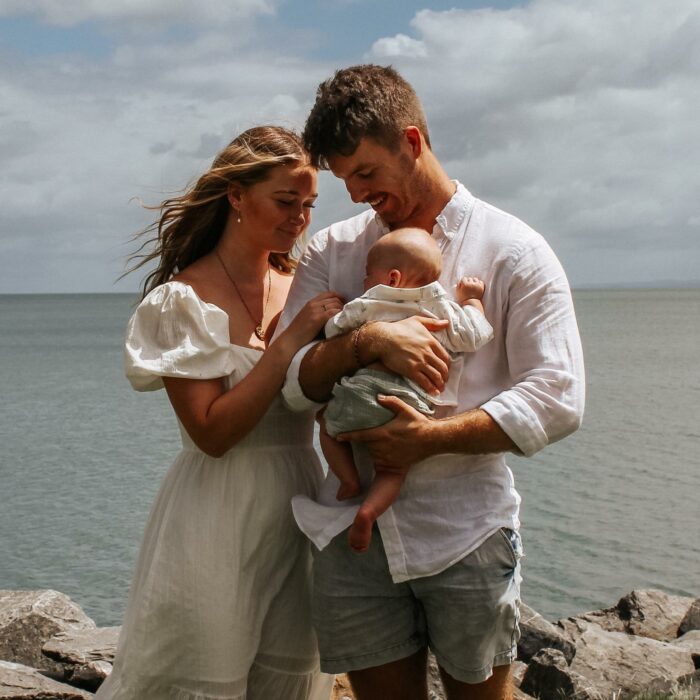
<point>470,288</point>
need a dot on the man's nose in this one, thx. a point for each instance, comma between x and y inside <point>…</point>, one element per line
<point>357,194</point>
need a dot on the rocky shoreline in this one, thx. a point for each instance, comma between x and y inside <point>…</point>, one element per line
<point>646,646</point>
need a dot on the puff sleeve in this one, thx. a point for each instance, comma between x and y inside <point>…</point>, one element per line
<point>173,333</point>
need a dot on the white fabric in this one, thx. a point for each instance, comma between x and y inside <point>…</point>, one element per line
<point>219,604</point>
<point>530,378</point>
<point>468,330</point>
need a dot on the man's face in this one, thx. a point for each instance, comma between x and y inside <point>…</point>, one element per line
<point>386,180</point>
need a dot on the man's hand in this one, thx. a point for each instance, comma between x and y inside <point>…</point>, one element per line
<point>411,437</point>
<point>408,348</point>
<point>398,444</point>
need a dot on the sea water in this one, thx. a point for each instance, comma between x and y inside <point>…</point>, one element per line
<point>611,508</point>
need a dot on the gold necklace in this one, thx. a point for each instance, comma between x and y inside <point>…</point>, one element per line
<point>259,331</point>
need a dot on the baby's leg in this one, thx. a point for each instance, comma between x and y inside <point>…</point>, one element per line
<point>470,291</point>
<point>340,462</point>
<point>383,491</point>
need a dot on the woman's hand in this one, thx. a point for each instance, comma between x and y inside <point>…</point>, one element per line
<point>312,318</point>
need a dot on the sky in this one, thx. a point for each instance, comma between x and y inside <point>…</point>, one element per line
<point>578,116</point>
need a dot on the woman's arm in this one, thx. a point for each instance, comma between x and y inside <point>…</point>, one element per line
<point>216,419</point>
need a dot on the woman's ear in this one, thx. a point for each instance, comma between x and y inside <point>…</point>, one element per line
<point>233,195</point>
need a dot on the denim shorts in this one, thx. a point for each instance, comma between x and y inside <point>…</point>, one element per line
<point>467,614</point>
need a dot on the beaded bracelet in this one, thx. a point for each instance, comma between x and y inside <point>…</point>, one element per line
<point>355,346</point>
<point>356,343</point>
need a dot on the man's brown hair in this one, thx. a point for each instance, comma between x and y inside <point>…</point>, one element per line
<point>357,102</point>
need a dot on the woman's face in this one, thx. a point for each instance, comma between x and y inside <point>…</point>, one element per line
<point>277,211</point>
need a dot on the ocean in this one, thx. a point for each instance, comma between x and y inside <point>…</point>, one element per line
<point>612,508</point>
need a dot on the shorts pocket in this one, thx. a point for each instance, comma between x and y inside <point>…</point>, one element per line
<point>511,538</point>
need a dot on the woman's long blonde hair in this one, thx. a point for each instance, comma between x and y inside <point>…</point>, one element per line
<point>191,225</point>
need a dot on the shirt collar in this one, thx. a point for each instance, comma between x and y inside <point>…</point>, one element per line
<point>456,212</point>
<point>451,219</point>
<point>433,290</point>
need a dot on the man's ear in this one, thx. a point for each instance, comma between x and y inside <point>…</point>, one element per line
<point>414,138</point>
<point>394,278</point>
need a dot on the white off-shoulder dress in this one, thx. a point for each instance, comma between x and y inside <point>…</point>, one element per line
<point>219,605</point>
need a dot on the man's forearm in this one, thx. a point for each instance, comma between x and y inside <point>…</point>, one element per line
<point>324,365</point>
<point>473,432</point>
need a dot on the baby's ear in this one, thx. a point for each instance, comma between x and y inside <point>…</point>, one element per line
<point>394,278</point>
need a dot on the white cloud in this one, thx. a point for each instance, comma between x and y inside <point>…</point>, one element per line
<point>80,138</point>
<point>579,117</point>
<point>399,45</point>
<point>62,13</point>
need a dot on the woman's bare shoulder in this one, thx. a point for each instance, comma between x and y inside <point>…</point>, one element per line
<point>204,279</point>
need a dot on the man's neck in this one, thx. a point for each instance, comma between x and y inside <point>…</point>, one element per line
<point>438,190</point>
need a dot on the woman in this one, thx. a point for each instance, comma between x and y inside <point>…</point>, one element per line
<point>219,604</point>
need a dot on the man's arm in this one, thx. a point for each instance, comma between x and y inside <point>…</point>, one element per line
<point>545,361</point>
<point>406,347</point>
<point>412,437</point>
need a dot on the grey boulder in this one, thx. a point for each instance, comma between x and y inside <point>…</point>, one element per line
<point>645,613</point>
<point>28,619</point>
<point>536,634</point>
<point>616,662</point>
<point>85,656</point>
<point>691,621</point>
<point>549,677</point>
<point>20,682</point>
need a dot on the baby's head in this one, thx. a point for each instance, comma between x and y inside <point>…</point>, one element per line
<point>406,257</point>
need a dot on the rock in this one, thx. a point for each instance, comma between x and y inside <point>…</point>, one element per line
<point>616,662</point>
<point>537,634</point>
<point>435,689</point>
<point>654,614</point>
<point>341,688</point>
<point>549,677</point>
<point>20,682</point>
<point>688,686</point>
<point>645,613</point>
<point>691,621</point>
<point>518,669</point>
<point>691,641</point>
<point>86,656</point>
<point>28,619</point>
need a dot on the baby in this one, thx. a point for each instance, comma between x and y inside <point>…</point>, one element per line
<point>401,281</point>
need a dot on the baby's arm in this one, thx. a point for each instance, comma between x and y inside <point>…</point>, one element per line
<point>470,292</point>
<point>340,462</point>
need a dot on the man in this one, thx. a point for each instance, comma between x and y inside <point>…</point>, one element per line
<point>442,570</point>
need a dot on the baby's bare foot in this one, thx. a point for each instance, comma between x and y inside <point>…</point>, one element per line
<point>470,288</point>
<point>360,533</point>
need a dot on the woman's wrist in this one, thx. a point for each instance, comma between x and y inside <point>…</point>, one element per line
<point>283,349</point>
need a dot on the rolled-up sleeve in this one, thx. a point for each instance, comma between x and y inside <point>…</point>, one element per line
<point>310,279</point>
<point>545,357</point>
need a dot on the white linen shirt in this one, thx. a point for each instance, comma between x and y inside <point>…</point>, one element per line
<point>529,379</point>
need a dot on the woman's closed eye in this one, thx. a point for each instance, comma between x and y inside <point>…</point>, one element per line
<point>289,203</point>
